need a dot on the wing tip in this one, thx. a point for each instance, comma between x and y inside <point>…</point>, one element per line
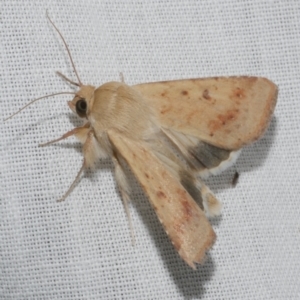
<point>200,256</point>
<point>269,109</point>
<point>268,95</point>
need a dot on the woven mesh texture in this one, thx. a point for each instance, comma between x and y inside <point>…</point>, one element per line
<point>81,248</point>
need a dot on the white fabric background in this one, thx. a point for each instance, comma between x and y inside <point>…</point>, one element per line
<point>81,248</point>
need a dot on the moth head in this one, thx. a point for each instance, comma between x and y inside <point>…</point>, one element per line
<point>83,101</point>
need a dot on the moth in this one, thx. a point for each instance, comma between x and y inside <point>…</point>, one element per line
<point>171,134</point>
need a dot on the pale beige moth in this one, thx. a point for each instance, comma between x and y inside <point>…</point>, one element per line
<point>171,134</point>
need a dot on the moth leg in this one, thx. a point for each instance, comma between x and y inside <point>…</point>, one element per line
<point>80,133</point>
<point>124,189</point>
<point>212,206</point>
<point>73,183</point>
<point>91,153</point>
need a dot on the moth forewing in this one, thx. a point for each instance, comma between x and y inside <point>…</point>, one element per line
<point>183,220</point>
<point>226,112</point>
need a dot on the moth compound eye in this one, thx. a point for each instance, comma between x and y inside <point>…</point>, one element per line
<point>81,108</point>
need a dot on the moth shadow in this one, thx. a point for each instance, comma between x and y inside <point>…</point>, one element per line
<point>255,154</point>
<point>252,157</point>
<point>33,127</point>
<point>190,282</point>
<point>102,164</point>
<point>66,145</point>
<point>75,120</point>
<point>90,173</point>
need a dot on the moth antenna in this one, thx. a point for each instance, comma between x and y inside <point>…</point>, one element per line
<point>47,96</point>
<point>67,79</point>
<point>69,53</point>
<point>73,183</point>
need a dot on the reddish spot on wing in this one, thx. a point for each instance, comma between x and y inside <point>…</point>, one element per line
<point>191,115</point>
<point>165,109</point>
<point>206,95</point>
<point>161,194</point>
<point>188,209</point>
<point>238,93</point>
<point>230,115</point>
<point>184,93</point>
<point>223,119</point>
<point>178,228</point>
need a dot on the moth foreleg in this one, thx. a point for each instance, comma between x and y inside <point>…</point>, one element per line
<point>73,183</point>
<point>90,153</point>
<point>80,132</point>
